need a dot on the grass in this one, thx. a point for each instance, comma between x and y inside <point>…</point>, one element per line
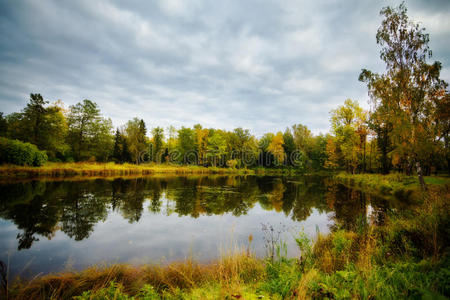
<point>89,169</point>
<point>406,257</point>
<point>108,169</point>
<point>395,184</point>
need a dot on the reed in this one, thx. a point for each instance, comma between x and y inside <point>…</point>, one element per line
<point>88,169</point>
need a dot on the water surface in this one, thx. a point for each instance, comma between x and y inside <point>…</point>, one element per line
<point>49,226</point>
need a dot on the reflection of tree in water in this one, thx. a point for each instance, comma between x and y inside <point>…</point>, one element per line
<point>209,196</point>
<point>350,207</point>
<point>81,210</point>
<point>38,208</point>
<point>308,193</point>
<point>26,205</point>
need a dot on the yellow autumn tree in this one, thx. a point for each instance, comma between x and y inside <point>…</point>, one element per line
<point>276,148</point>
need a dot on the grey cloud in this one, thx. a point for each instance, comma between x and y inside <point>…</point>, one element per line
<point>263,65</point>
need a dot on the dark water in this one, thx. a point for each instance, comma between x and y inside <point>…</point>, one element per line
<point>48,226</point>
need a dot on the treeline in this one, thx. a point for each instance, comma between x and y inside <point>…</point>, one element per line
<point>81,133</point>
<point>406,129</point>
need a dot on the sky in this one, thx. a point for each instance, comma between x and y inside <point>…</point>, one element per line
<point>257,64</point>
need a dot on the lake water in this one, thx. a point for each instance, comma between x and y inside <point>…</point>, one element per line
<point>50,226</point>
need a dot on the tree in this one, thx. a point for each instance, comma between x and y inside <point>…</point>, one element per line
<point>121,153</point>
<point>243,146</point>
<point>136,138</point>
<point>158,139</point>
<point>186,144</point>
<point>90,135</point>
<point>45,127</point>
<point>15,126</point>
<point>266,158</point>
<point>410,89</point>
<point>217,147</point>
<point>201,142</point>
<point>346,123</point>
<point>302,137</point>
<point>81,119</point>
<point>102,141</point>
<point>333,154</point>
<point>3,125</point>
<point>288,145</point>
<point>34,119</point>
<point>443,126</point>
<point>276,148</point>
<point>317,153</point>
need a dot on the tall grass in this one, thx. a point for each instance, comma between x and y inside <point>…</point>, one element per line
<point>109,169</point>
<point>235,268</point>
<point>93,169</point>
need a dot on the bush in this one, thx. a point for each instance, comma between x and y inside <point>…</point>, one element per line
<point>19,153</point>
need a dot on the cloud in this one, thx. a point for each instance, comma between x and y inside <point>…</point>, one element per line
<point>260,65</point>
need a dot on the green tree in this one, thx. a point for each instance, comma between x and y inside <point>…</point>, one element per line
<point>3,125</point>
<point>158,142</point>
<point>243,146</point>
<point>55,129</point>
<point>186,144</point>
<point>410,89</point>
<point>121,153</point>
<point>302,137</point>
<point>346,121</point>
<point>15,126</point>
<point>89,135</point>
<point>102,141</point>
<point>217,147</point>
<point>318,151</point>
<point>136,138</point>
<point>34,119</point>
<point>288,145</point>
<point>45,127</point>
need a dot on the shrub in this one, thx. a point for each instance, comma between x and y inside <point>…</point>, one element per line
<point>20,153</point>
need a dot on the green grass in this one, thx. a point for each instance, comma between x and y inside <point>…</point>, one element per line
<point>394,184</point>
<point>406,257</point>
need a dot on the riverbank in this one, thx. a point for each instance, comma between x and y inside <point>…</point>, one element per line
<point>395,184</point>
<point>407,255</point>
<point>85,169</point>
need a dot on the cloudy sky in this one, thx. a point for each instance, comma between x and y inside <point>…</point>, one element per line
<point>257,64</point>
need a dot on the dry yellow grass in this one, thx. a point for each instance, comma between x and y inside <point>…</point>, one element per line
<point>87,169</point>
<point>230,271</point>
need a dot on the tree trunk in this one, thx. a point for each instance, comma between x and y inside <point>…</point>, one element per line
<point>448,165</point>
<point>421,180</point>
<point>364,157</point>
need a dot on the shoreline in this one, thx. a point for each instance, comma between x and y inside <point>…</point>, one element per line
<point>395,185</point>
<point>105,170</point>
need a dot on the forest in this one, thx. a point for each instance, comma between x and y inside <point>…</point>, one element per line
<point>406,128</point>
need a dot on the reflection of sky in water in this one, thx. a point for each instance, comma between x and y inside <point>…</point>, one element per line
<point>64,209</point>
<point>155,237</point>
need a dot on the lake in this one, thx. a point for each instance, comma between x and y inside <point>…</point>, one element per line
<point>50,226</point>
